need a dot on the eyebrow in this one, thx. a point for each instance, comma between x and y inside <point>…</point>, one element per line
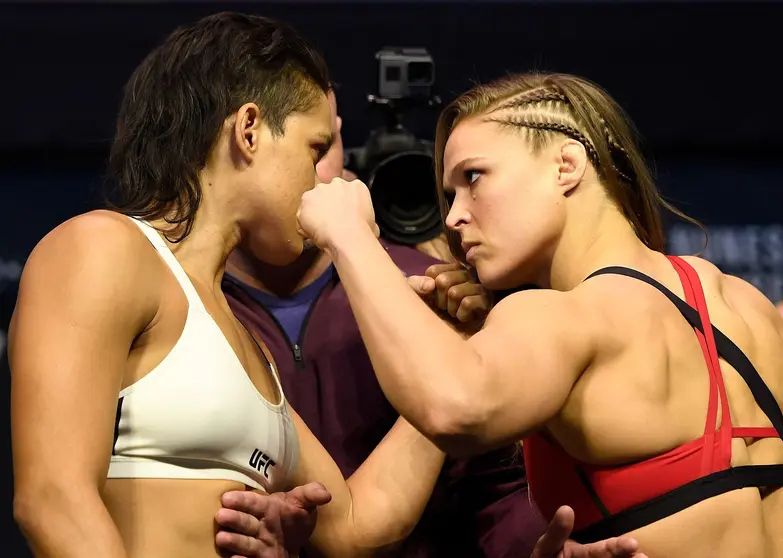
<point>328,139</point>
<point>459,168</point>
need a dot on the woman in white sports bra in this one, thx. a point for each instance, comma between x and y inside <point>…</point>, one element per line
<point>138,399</point>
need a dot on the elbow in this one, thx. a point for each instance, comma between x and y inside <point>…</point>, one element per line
<point>37,508</point>
<point>456,425</point>
<point>29,512</point>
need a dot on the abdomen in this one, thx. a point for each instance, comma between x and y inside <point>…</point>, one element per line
<point>167,518</point>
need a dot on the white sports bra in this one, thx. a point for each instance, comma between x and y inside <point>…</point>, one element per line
<point>197,415</point>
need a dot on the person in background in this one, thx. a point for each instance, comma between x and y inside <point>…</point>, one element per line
<point>302,314</point>
<point>480,506</point>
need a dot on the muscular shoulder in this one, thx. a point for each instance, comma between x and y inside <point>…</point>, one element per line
<point>98,230</point>
<point>572,315</point>
<point>93,257</point>
<point>738,294</point>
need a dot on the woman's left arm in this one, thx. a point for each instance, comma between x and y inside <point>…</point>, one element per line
<point>467,396</point>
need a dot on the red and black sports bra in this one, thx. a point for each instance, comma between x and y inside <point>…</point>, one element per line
<point>609,501</point>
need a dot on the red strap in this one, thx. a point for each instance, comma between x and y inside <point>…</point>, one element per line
<point>707,465</point>
<point>701,306</point>
<point>754,432</point>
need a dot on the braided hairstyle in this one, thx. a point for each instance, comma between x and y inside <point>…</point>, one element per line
<point>545,105</point>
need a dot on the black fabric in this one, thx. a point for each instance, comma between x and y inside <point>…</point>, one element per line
<point>706,487</point>
<point>681,498</point>
<point>117,425</point>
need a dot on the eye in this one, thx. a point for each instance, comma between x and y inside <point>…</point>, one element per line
<point>320,149</point>
<point>471,176</point>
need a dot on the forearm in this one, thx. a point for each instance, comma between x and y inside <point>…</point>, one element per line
<point>68,526</point>
<point>390,491</point>
<point>428,372</point>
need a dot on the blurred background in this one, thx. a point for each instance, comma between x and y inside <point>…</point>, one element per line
<point>697,78</point>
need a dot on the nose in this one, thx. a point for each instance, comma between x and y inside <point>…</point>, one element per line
<point>458,214</point>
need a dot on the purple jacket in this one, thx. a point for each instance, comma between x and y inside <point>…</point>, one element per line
<point>480,507</point>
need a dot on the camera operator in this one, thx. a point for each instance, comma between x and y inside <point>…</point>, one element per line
<point>480,507</point>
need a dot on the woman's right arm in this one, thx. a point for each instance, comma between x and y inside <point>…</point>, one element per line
<point>82,302</point>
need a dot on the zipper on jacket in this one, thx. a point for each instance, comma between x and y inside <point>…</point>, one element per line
<point>297,353</point>
<point>296,348</point>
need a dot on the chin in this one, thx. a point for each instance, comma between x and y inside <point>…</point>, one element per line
<point>497,278</point>
<point>489,276</point>
<point>280,254</point>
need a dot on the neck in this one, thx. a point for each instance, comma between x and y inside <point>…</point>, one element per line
<point>204,251</point>
<point>597,237</point>
<point>278,281</point>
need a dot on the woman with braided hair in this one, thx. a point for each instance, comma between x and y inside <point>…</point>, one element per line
<point>646,388</point>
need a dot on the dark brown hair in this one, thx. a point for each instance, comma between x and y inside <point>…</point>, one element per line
<point>177,100</point>
<point>543,105</point>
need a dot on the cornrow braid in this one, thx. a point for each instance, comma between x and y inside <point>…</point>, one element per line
<point>534,96</point>
<point>615,148</point>
<point>565,129</point>
<point>554,94</point>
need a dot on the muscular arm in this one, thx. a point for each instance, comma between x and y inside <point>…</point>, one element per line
<point>80,306</point>
<point>466,396</point>
<point>381,503</point>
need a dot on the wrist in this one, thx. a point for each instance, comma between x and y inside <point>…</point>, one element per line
<point>343,237</point>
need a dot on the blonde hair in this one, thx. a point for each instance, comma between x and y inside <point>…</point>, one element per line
<point>542,106</point>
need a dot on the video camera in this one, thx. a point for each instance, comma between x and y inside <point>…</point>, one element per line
<point>396,165</point>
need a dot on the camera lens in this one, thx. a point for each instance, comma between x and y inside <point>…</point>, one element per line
<point>404,198</point>
<point>420,73</point>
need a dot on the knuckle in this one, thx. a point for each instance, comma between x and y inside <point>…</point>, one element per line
<point>249,525</point>
<point>454,292</point>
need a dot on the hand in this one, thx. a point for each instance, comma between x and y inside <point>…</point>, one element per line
<point>450,288</point>
<point>556,544</point>
<point>330,209</point>
<point>269,526</point>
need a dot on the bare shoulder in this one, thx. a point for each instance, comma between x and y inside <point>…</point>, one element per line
<point>90,258</point>
<point>99,229</point>
<point>99,238</point>
<point>709,274</point>
<point>548,302</point>
<point>738,294</point>
<point>548,310</point>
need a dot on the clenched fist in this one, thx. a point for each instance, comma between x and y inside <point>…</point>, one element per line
<point>451,289</point>
<point>335,210</point>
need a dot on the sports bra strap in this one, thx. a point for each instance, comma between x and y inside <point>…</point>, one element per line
<point>689,276</point>
<point>680,499</point>
<point>152,234</point>
<point>726,347</point>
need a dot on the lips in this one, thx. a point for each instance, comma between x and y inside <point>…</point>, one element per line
<point>470,249</point>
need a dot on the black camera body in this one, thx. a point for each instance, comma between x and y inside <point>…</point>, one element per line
<point>405,73</point>
<point>395,164</point>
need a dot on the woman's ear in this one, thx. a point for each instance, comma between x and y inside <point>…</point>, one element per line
<point>247,130</point>
<point>572,164</point>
